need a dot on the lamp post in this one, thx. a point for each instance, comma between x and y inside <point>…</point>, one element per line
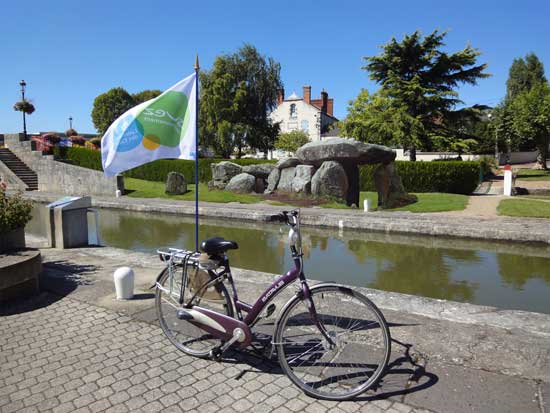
<point>23,84</point>
<point>490,116</point>
<point>70,122</point>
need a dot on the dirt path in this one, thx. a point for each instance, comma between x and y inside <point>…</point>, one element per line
<point>480,205</point>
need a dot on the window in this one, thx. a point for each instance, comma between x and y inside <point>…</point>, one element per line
<point>305,125</point>
<point>293,112</point>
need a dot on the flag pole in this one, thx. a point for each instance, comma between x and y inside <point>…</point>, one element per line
<point>197,152</point>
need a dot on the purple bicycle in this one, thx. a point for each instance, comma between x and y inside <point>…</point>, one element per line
<point>331,341</point>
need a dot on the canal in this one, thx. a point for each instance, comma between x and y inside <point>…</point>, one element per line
<point>505,275</point>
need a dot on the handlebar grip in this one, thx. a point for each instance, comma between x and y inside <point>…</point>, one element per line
<point>277,218</point>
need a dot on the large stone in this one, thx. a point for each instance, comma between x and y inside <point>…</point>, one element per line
<point>302,179</point>
<point>330,180</point>
<point>273,180</point>
<point>391,193</point>
<point>344,151</point>
<point>225,170</point>
<point>241,183</point>
<point>287,163</point>
<point>175,184</point>
<point>259,185</point>
<point>261,170</point>
<point>285,181</point>
<point>352,173</point>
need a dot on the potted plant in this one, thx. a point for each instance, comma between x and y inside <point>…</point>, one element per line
<point>15,212</point>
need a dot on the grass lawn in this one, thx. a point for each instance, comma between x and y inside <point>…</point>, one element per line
<point>524,208</point>
<point>427,202</point>
<point>533,175</point>
<point>138,188</point>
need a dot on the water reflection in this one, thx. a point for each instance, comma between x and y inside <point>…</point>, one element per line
<point>504,275</point>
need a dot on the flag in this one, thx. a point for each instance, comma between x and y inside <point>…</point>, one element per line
<point>163,127</point>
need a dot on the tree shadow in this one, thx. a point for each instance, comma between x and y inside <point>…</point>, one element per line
<point>57,280</point>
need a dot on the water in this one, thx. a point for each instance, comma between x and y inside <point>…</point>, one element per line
<point>505,275</point>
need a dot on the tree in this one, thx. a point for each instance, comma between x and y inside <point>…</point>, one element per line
<point>421,80</point>
<point>237,95</point>
<point>523,75</point>
<point>532,118</point>
<point>376,118</point>
<point>145,95</point>
<point>109,106</point>
<point>291,141</point>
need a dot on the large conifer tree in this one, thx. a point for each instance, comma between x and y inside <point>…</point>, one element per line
<point>421,79</point>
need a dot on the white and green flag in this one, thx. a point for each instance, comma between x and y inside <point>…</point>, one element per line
<point>163,127</point>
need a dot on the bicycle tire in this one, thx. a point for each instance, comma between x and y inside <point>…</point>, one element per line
<point>308,362</point>
<point>184,335</point>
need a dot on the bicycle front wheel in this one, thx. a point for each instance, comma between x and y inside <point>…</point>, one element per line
<point>186,336</point>
<point>360,348</point>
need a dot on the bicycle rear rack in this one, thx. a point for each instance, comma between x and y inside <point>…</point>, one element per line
<point>179,257</point>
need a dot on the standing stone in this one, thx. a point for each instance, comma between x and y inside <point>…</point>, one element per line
<point>242,183</point>
<point>285,181</point>
<point>222,173</point>
<point>273,180</point>
<point>261,170</point>
<point>259,185</point>
<point>175,184</point>
<point>302,179</point>
<point>330,180</point>
<point>354,191</point>
<point>391,193</point>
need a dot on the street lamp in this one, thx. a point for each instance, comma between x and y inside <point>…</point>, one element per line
<point>490,116</point>
<point>70,122</point>
<point>23,84</point>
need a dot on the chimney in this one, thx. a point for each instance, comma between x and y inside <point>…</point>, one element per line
<point>280,96</point>
<point>307,94</point>
<point>324,99</point>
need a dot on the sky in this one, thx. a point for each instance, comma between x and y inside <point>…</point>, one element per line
<point>68,52</point>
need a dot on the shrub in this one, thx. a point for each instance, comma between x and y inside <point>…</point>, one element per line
<point>70,132</point>
<point>444,176</point>
<point>78,140</point>
<point>96,142</point>
<point>15,211</point>
<point>50,137</point>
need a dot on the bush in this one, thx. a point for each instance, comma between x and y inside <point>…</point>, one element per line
<point>96,142</point>
<point>50,137</point>
<point>444,176</point>
<point>70,132</point>
<point>78,140</point>
<point>15,211</point>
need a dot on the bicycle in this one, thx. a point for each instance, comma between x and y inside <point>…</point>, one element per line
<point>331,341</point>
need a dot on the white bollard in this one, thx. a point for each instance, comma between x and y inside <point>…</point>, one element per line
<point>507,180</point>
<point>124,283</point>
<point>366,205</point>
<point>118,193</point>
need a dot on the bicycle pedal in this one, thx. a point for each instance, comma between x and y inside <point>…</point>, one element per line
<point>270,310</point>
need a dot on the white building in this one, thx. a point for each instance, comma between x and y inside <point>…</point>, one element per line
<point>313,116</point>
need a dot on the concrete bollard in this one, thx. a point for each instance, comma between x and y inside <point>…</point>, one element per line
<point>366,205</point>
<point>124,283</point>
<point>507,180</point>
<point>118,193</point>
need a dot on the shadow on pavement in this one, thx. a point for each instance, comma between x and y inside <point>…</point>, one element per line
<point>58,279</point>
<point>405,373</point>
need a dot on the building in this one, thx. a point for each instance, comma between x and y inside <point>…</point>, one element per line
<point>314,116</point>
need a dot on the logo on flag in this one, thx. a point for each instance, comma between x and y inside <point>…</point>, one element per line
<point>163,127</point>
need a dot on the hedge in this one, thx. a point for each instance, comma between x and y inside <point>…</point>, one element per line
<point>153,171</point>
<point>443,176</point>
<point>457,177</point>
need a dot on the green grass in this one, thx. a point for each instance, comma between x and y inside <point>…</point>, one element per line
<point>139,188</point>
<point>533,175</point>
<point>524,208</point>
<point>427,202</point>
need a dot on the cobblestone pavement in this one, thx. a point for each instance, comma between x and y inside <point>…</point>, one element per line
<point>62,355</point>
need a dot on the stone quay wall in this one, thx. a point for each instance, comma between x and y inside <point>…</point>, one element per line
<point>60,177</point>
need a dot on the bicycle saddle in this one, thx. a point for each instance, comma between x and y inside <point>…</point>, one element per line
<point>218,245</point>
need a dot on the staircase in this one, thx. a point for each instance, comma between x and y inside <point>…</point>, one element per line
<point>19,168</point>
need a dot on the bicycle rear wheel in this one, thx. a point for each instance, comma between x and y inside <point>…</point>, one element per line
<point>361,349</point>
<point>186,336</point>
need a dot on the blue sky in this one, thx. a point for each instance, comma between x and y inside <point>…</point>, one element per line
<point>68,52</point>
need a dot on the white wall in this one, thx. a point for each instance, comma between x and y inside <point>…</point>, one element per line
<point>304,112</point>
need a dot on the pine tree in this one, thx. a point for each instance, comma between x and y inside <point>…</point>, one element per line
<point>422,79</point>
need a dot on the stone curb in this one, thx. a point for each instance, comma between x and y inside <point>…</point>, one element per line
<point>440,224</point>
